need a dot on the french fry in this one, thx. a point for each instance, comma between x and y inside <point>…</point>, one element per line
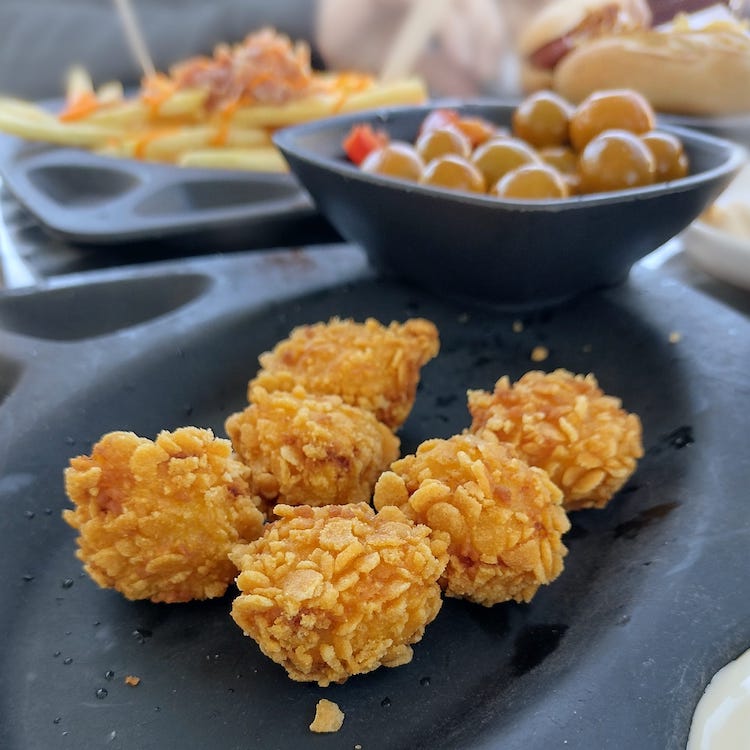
<point>169,145</point>
<point>264,159</point>
<point>265,116</point>
<point>23,109</point>
<point>77,82</point>
<point>41,129</point>
<point>222,127</point>
<point>109,92</point>
<point>189,103</point>
<point>408,91</point>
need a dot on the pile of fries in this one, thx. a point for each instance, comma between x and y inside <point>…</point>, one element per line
<point>215,112</point>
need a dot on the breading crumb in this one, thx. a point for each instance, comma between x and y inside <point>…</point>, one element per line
<point>132,680</point>
<point>517,326</point>
<point>539,353</point>
<point>675,337</point>
<point>328,717</point>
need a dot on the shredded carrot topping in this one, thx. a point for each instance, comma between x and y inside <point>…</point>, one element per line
<point>155,90</point>
<point>139,150</point>
<point>265,68</point>
<point>81,106</point>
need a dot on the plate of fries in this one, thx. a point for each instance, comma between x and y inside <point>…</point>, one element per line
<point>190,149</point>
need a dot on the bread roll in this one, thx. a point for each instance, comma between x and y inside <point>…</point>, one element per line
<point>692,72</point>
<point>563,25</point>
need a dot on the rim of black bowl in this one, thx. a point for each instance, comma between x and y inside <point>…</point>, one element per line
<point>287,139</point>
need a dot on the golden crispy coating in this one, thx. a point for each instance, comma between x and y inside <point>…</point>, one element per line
<point>336,591</point>
<point>157,519</point>
<point>313,450</point>
<point>369,365</point>
<point>564,424</point>
<point>503,518</point>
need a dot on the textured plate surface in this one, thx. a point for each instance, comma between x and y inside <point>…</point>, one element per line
<point>655,596</point>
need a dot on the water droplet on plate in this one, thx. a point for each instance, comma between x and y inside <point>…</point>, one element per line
<point>141,634</point>
<point>101,693</point>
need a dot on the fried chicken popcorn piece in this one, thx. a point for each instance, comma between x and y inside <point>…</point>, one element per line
<point>307,449</point>
<point>564,424</point>
<point>368,365</point>
<point>157,519</point>
<point>503,518</point>
<point>339,590</point>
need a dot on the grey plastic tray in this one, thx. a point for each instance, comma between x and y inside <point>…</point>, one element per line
<point>85,198</point>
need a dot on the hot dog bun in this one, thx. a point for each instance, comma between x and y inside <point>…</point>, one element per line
<point>694,72</point>
<point>563,25</point>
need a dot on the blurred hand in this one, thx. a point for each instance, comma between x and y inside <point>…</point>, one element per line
<point>462,59</point>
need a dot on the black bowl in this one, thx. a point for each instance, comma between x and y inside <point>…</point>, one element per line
<point>507,252</point>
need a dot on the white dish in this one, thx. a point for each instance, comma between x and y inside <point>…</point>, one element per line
<point>717,252</point>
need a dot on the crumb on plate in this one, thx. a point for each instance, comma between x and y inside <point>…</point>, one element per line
<point>328,717</point>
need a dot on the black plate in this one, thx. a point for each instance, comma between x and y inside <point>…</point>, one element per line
<point>615,653</point>
<point>82,197</point>
<point>512,252</point>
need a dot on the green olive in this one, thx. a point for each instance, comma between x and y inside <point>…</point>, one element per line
<point>397,159</point>
<point>542,119</point>
<point>615,160</point>
<point>499,155</point>
<point>618,109</point>
<point>453,172</point>
<point>667,150</point>
<point>446,140</point>
<point>532,182</point>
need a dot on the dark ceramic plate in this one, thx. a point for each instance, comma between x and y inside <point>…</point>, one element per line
<point>614,654</point>
<point>503,251</point>
<point>85,198</point>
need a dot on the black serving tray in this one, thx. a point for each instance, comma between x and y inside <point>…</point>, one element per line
<point>86,198</point>
<point>655,596</point>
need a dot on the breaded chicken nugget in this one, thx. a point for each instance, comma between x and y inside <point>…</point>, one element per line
<point>157,519</point>
<point>503,518</point>
<point>567,426</point>
<point>307,449</point>
<point>368,365</point>
<point>337,591</point>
